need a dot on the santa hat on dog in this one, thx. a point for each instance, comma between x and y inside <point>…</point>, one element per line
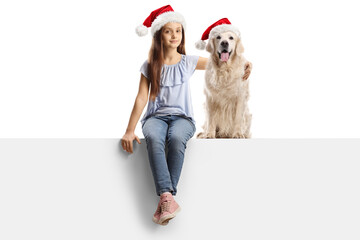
<point>223,25</point>
<point>158,18</point>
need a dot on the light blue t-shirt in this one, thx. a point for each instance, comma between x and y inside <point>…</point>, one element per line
<point>174,97</point>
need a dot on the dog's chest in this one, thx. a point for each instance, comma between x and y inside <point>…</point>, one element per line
<point>224,80</point>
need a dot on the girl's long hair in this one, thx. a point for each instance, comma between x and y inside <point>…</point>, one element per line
<point>156,61</point>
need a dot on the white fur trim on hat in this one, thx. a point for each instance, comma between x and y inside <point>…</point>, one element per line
<point>141,30</point>
<point>200,44</point>
<point>224,28</point>
<point>165,18</point>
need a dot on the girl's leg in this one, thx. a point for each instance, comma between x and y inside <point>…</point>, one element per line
<point>180,131</point>
<point>155,130</point>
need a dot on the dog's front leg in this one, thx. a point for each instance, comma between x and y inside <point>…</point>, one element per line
<point>243,123</point>
<point>248,117</point>
<point>209,126</point>
<point>239,121</point>
<point>209,130</point>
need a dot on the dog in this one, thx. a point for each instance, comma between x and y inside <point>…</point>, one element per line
<point>227,94</point>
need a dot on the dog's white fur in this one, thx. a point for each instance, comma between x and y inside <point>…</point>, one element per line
<point>227,94</point>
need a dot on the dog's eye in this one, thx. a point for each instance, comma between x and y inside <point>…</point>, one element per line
<point>218,37</point>
<point>231,38</point>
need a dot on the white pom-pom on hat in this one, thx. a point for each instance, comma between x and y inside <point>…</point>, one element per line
<point>200,44</point>
<point>141,30</point>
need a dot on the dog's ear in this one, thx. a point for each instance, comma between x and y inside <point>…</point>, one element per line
<point>210,46</point>
<point>239,47</point>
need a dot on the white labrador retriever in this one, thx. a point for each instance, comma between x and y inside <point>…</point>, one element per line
<point>227,94</point>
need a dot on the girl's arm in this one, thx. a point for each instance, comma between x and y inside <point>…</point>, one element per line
<point>201,64</point>
<point>140,103</point>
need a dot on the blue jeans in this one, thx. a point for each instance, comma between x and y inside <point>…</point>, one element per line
<point>169,134</point>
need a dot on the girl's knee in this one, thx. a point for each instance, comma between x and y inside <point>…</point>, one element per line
<point>177,141</point>
<point>154,140</point>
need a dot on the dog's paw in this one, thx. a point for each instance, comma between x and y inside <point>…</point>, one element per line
<point>238,135</point>
<point>205,135</point>
<point>201,135</point>
<point>247,135</point>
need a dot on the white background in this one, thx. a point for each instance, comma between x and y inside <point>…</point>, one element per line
<point>71,68</point>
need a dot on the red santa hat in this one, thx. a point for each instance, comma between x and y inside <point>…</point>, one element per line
<point>158,18</point>
<point>223,25</point>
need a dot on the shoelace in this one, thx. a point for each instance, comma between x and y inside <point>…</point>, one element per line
<point>165,206</point>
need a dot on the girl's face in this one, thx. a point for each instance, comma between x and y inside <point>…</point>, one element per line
<point>172,35</point>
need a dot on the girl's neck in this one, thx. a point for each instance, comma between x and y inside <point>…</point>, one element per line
<point>171,56</point>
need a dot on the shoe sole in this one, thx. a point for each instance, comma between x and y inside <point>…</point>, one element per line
<point>167,218</point>
<point>157,221</point>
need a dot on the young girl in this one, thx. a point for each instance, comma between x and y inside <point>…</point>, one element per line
<point>168,121</point>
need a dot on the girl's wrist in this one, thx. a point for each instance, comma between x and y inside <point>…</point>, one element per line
<point>129,131</point>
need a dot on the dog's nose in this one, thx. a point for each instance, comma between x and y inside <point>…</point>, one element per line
<point>224,44</point>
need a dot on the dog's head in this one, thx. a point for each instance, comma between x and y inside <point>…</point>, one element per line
<point>225,46</point>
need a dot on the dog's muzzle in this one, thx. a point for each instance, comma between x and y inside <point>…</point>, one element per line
<point>224,55</point>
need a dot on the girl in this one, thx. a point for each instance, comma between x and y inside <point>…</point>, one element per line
<point>168,121</point>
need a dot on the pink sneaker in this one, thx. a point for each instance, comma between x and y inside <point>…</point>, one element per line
<point>156,217</point>
<point>157,214</point>
<point>169,208</point>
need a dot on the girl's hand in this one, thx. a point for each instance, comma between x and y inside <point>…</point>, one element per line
<point>127,141</point>
<point>248,67</point>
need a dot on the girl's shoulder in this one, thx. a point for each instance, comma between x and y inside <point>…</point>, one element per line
<point>187,63</point>
<point>180,72</point>
<point>191,60</point>
<point>143,68</point>
<point>190,57</point>
<point>146,62</point>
